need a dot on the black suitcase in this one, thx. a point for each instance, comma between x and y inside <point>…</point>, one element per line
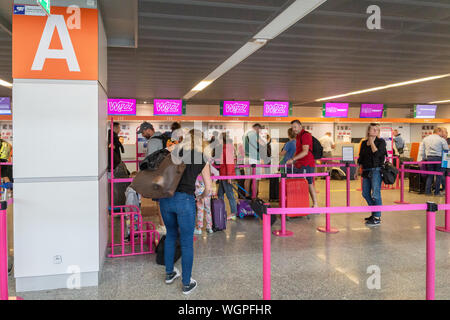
<point>274,189</point>
<point>417,181</point>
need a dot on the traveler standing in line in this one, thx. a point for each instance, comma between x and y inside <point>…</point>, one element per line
<point>179,211</point>
<point>252,145</point>
<point>399,142</point>
<point>328,145</point>
<point>304,159</point>
<point>372,156</point>
<point>5,155</point>
<point>227,168</point>
<point>288,150</point>
<point>433,147</point>
<point>154,143</point>
<point>118,148</point>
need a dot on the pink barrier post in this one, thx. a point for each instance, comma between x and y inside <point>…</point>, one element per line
<point>446,228</point>
<point>3,253</point>
<point>348,184</point>
<point>254,191</point>
<point>266,257</point>
<point>402,187</point>
<point>283,232</point>
<point>431,249</point>
<point>328,228</point>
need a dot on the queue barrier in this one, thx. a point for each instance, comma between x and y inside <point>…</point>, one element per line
<point>429,207</point>
<point>4,202</point>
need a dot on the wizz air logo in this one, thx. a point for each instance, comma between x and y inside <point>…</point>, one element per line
<point>121,106</point>
<point>236,108</point>
<point>168,107</point>
<point>276,109</point>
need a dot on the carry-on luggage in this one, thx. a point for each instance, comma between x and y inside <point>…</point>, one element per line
<point>241,183</point>
<point>274,189</point>
<point>160,183</point>
<point>219,214</point>
<point>297,194</point>
<point>160,251</point>
<point>244,208</point>
<point>417,181</point>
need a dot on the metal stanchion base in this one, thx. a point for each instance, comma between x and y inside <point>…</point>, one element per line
<point>443,229</point>
<point>324,230</point>
<point>401,202</point>
<point>286,234</point>
<point>15,298</point>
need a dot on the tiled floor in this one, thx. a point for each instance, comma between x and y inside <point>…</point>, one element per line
<point>310,265</point>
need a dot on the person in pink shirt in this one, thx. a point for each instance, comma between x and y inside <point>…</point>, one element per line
<point>227,168</point>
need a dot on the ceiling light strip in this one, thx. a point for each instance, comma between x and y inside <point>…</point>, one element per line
<point>399,84</point>
<point>5,84</point>
<point>438,102</point>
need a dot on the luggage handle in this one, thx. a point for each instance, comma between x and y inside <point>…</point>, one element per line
<point>292,168</point>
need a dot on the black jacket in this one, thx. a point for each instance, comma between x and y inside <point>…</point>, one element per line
<point>368,159</point>
<point>118,149</point>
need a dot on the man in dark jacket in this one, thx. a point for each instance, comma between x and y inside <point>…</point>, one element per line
<point>117,147</point>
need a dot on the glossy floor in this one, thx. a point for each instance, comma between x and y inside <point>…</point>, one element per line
<point>309,265</point>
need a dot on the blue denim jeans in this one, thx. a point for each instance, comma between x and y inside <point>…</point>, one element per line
<point>178,214</point>
<point>230,195</point>
<point>305,170</point>
<point>430,178</point>
<point>371,190</point>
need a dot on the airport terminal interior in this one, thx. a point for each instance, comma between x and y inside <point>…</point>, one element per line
<point>71,69</point>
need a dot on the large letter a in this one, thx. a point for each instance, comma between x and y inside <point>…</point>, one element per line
<point>44,52</point>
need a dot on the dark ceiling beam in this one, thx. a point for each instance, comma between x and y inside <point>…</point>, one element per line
<point>422,3</point>
<point>215,4</point>
<point>198,18</point>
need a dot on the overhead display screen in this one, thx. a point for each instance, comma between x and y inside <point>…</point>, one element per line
<point>335,110</point>
<point>425,111</point>
<point>371,111</point>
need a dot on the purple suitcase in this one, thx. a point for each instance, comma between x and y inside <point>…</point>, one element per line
<point>219,214</point>
<point>245,210</point>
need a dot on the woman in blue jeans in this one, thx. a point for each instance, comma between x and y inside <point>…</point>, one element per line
<point>178,212</point>
<point>372,155</point>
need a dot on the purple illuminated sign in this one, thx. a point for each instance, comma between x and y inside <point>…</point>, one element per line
<point>121,107</point>
<point>5,106</point>
<point>424,111</point>
<point>371,111</point>
<point>335,110</point>
<point>236,108</point>
<point>276,109</point>
<point>164,107</point>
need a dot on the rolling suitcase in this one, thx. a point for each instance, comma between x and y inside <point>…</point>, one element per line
<point>297,194</point>
<point>219,214</point>
<point>274,190</point>
<point>417,181</point>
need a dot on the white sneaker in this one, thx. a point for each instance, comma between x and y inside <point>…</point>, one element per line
<point>209,231</point>
<point>198,231</point>
<point>191,287</point>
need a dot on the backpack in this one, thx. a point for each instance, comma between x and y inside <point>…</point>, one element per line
<point>337,174</point>
<point>317,149</point>
<point>5,150</point>
<point>165,137</point>
<point>389,173</point>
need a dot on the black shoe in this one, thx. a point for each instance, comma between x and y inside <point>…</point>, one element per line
<point>188,289</point>
<point>171,277</point>
<point>373,222</point>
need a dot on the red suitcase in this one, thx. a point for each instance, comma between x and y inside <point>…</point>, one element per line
<point>297,195</point>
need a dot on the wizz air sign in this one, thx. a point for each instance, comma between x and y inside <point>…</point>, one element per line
<point>121,107</point>
<point>276,109</point>
<point>163,107</point>
<point>236,108</point>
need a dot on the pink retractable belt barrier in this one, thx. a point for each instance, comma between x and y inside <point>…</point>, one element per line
<point>446,227</point>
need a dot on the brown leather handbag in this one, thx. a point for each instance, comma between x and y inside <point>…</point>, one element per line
<point>160,183</point>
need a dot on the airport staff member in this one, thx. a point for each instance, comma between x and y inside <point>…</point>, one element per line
<point>328,145</point>
<point>432,149</point>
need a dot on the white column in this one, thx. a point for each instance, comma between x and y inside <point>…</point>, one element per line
<point>60,187</point>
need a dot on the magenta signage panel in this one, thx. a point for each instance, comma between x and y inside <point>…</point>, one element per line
<point>371,111</point>
<point>236,108</point>
<point>276,109</point>
<point>121,107</point>
<point>335,110</point>
<point>165,107</point>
